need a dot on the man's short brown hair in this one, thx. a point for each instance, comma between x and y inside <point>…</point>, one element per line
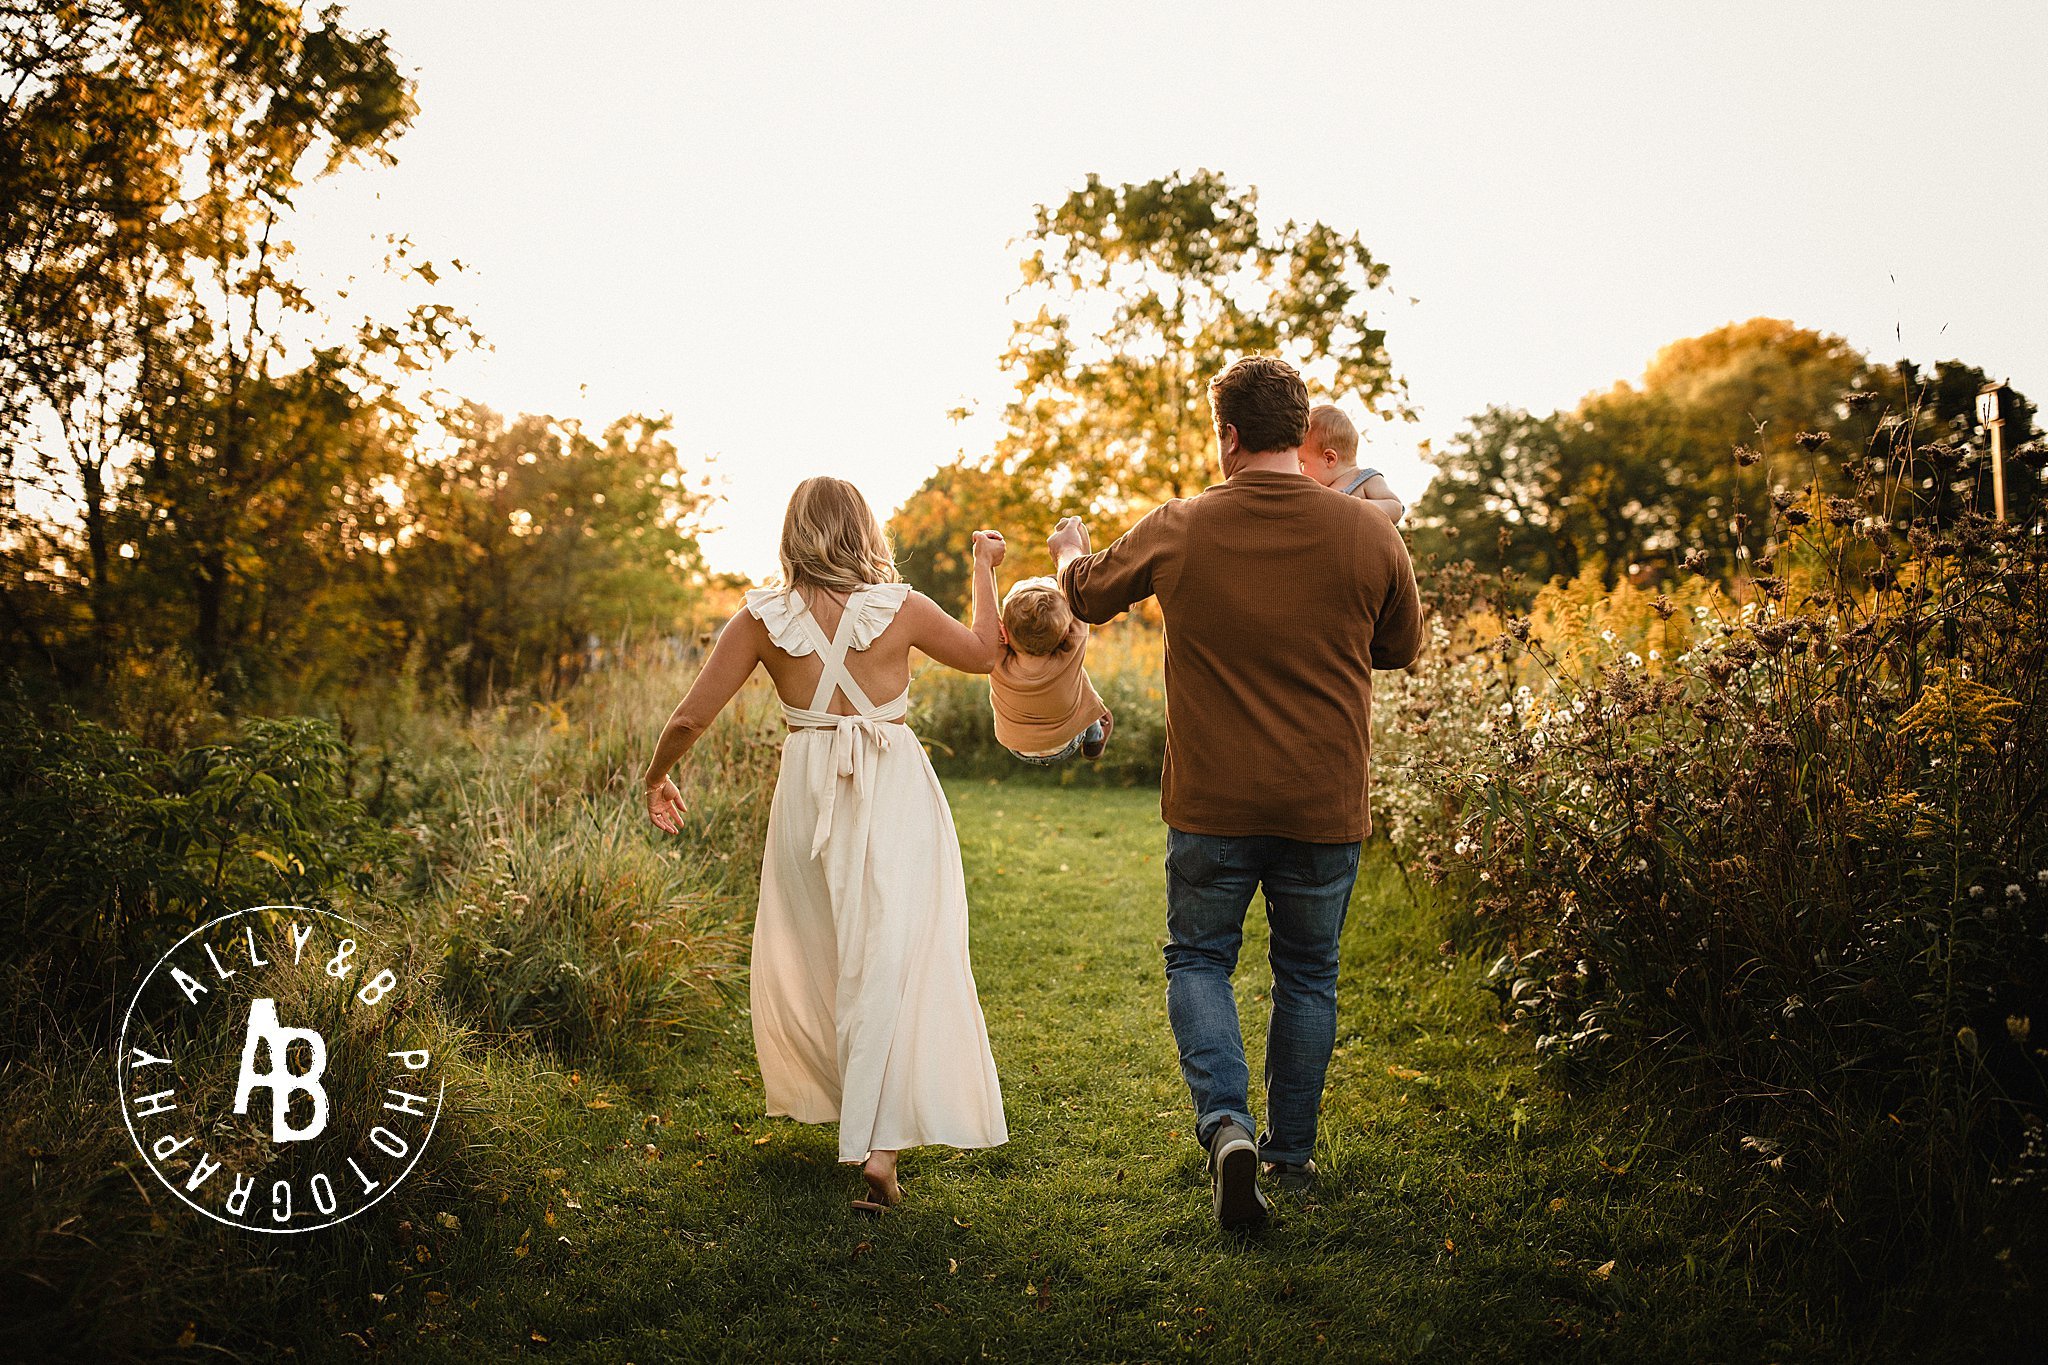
<point>1037,617</point>
<point>1264,398</point>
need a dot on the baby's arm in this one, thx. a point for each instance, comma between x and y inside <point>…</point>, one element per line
<point>1377,492</point>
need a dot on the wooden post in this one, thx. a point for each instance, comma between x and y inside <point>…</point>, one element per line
<point>1991,414</point>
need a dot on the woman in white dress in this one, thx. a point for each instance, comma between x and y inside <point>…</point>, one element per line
<point>865,1013</point>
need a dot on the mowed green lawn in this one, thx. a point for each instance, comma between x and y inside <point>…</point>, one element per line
<point>1466,1212</point>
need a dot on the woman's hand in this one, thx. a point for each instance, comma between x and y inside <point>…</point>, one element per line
<point>989,548</point>
<point>666,807</point>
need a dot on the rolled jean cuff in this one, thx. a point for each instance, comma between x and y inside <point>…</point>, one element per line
<point>1268,1151</point>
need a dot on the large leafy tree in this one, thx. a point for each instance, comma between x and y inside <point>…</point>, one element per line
<point>1639,475</point>
<point>531,537</point>
<point>166,437</point>
<point>1133,296</point>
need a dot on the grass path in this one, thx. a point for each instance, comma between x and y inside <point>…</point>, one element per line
<point>1464,1215</point>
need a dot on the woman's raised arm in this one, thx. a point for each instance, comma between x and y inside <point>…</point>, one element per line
<point>971,650</point>
<point>732,660</point>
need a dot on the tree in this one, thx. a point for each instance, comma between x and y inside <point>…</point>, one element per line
<point>931,532</point>
<point>1928,441</point>
<point>1638,476</point>
<point>151,154</point>
<point>1133,296</point>
<point>530,537</point>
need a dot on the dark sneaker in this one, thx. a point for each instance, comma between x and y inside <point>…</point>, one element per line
<point>1292,1176</point>
<point>1234,1179</point>
<point>1092,751</point>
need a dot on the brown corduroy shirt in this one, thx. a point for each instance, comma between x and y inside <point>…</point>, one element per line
<point>1280,599</point>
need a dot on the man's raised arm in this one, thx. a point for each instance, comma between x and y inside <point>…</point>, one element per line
<point>1101,586</point>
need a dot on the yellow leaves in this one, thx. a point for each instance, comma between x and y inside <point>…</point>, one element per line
<point>1603,1271</point>
<point>1958,714</point>
<point>1405,1073</point>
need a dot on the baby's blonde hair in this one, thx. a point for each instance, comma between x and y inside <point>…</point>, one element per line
<point>1037,617</point>
<point>1329,428</point>
<point>831,540</point>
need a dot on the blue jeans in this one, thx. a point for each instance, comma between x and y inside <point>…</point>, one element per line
<point>1091,735</point>
<point>1209,885</point>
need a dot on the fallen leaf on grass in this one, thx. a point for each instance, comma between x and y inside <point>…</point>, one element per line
<point>538,1337</point>
<point>1404,1073</point>
<point>449,1221</point>
<point>600,1104</point>
<point>1602,1271</point>
<point>960,1223</point>
<point>952,1266</point>
<point>763,1141</point>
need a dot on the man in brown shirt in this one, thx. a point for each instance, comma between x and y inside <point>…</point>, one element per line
<point>1280,598</point>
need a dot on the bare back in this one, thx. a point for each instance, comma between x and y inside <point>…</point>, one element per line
<point>882,668</point>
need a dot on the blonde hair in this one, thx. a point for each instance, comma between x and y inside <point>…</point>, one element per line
<point>1332,430</point>
<point>1037,617</point>
<point>831,540</point>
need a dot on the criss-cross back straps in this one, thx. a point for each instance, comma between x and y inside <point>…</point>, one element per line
<point>832,654</point>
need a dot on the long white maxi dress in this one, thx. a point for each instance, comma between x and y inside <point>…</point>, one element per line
<point>864,1006</point>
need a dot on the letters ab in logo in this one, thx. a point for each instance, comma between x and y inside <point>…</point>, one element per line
<point>274,1073</point>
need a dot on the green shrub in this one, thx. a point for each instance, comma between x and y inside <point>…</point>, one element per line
<point>109,849</point>
<point>564,916</point>
<point>1797,873</point>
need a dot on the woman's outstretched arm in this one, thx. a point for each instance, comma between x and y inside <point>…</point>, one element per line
<point>732,660</point>
<point>971,650</point>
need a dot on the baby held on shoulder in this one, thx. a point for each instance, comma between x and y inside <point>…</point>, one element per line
<point>1046,710</point>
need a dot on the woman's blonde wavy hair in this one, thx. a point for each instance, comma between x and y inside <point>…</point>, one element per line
<point>831,540</point>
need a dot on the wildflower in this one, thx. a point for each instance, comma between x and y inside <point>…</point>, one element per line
<point>1700,612</point>
<point>2018,1026</point>
<point>1810,441</point>
<point>1608,636</point>
<point>1635,660</point>
<point>1976,893</point>
<point>2042,876</point>
<point>1967,1036</point>
<point>2014,894</point>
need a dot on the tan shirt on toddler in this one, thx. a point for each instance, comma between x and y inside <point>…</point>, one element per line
<point>1042,701</point>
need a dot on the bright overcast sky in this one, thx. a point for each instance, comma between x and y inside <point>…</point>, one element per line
<point>790,226</point>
